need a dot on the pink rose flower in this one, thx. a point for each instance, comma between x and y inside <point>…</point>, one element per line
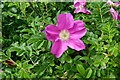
<point>66,33</point>
<point>113,4</point>
<point>114,14</point>
<point>80,6</point>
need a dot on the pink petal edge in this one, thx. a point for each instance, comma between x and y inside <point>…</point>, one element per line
<point>76,44</point>
<point>58,48</point>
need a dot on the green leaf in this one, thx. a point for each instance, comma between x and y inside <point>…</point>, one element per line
<point>103,64</point>
<point>94,73</point>
<point>28,66</point>
<point>77,76</point>
<point>81,70</point>
<point>103,72</point>
<point>26,30</point>
<point>42,69</point>
<point>8,53</point>
<point>49,45</point>
<point>8,70</point>
<point>21,52</point>
<point>12,49</point>
<point>98,73</point>
<point>33,40</point>
<point>50,70</point>
<point>87,20</point>
<point>66,66</point>
<point>68,59</point>
<point>77,57</point>
<point>89,70</point>
<point>62,59</point>
<point>41,44</point>
<point>84,58</point>
<point>26,75</point>
<point>112,75</point>
<point>27,36</point>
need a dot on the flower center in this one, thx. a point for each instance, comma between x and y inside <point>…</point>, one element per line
<point>80,7</point>
<point>64,35</point>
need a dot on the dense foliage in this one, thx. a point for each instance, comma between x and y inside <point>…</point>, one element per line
<point>24,43</point>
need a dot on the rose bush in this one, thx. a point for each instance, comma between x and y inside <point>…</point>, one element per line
<point>24,42</point>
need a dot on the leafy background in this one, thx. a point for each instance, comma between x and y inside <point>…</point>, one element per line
<point>24,43</point>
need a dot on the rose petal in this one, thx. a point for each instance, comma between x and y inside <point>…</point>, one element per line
<point>76,4</point>
<point>109,2</point>
<point>82,4</point>
<point>78,34</point>
<point>114,14</point>
<point>83,10</point>
<point>51,37</point>
<point>76,44</point>
<point>80,1</point>
<point>86,11</point>
<point>77,10</point>
<point>118,17</point>
<point>52,29</point>
<point>78,25</point>
<point>116,4</point>
<point>58,48</point>
<point>65,21</point>
<point>52,33</point>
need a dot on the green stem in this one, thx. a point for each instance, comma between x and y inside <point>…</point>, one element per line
<point>38,7</point>
<point>101,14</point>
<point>34,9</point>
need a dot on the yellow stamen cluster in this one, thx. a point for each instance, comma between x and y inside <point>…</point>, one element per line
<point>64,35</point>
